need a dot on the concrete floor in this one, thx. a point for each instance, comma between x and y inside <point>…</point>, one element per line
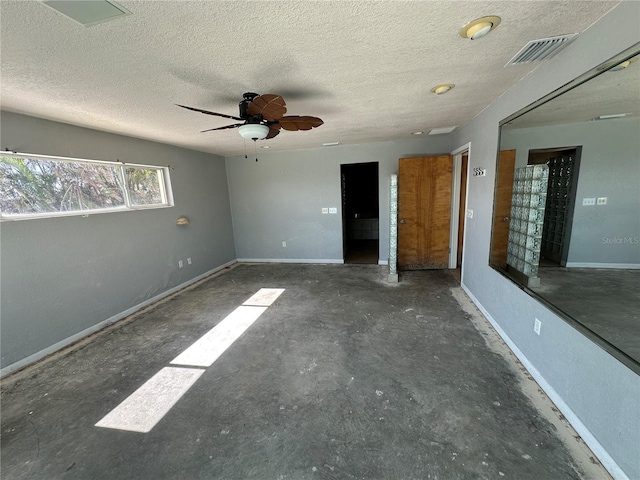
<point>607,301</point>
<point>344,377</point>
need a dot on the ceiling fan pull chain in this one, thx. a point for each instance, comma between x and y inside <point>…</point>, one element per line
<point>255,147</point>
<point>245,148</point>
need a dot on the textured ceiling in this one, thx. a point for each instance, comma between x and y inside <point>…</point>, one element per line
<point>364,67</point>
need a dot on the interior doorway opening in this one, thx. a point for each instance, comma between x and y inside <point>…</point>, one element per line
<point>564,164</point>
<point>458,210</point>
<point>360,212</point>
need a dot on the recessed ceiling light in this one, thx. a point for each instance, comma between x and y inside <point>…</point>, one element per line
<point>265,146</point>
<point>479,27</point>
<point>417,133</point>
<point>444,88</point>
<point>330,144</point>
<point>611,67</point>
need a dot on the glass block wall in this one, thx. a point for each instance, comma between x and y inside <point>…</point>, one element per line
<point>393,226</point>
<point>527,218</point>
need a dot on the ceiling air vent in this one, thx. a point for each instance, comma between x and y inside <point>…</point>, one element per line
<point>537,50</point>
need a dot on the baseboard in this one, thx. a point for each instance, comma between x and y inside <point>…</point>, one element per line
<point>598,450</point>
<point>105,323</point>
<point>383,262</point>
<point>290,260</point>
<point>624,266</point>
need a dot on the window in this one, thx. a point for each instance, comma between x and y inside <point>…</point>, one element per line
<point>38,186</point>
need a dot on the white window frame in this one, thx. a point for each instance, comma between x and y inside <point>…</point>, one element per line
<point>165,182</point>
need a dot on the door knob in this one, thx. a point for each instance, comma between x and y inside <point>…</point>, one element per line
<point>401,221</point>
<point>506,219</point>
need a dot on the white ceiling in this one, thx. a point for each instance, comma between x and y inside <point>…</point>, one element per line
<point>364,67</point>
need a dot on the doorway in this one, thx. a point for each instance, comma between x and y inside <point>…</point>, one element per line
<point>360,212</point>
<point>563,166</point>
<point>424,212</point>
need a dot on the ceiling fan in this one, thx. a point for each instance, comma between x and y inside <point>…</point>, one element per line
<point>263,117</point>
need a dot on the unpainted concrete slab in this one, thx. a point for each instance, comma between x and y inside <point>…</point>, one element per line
<point>345,376</point>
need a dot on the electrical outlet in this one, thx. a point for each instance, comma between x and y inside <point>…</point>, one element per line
<point>470,213</point>
<point>284,244</point>
<point>180,264</point>
<point>189,260</point>
<point>588,201</point>
<point>325,211</point>
<point>601,201</point>
<point>536,326</point>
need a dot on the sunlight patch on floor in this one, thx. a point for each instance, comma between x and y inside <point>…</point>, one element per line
<point>264,297</point>
<point>145,407</point>
<point>212,344</point>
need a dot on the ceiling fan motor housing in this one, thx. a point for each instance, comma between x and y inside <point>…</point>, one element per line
<point>247,98</point>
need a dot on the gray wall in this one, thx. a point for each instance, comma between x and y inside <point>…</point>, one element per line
<point>280,197</point>
<point>609,167</point>
<point>61,276</point>
<point>601,392</point>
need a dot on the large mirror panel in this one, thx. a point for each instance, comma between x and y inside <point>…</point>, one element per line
<point>566,224</point>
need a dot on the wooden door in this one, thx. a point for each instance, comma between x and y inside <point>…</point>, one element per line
<point>424,212</point>
<point>502,208</point>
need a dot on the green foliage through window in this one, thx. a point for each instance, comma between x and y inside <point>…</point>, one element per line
<point>34,186</point>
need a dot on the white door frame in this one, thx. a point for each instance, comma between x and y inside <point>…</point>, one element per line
<point>455,202</point>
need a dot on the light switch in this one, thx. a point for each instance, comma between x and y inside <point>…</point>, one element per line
<point>333,210</point>
<point>588,201</point>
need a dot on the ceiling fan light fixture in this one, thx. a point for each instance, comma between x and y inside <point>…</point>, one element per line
<point>253,131</point>
<point>441,89</point>
<point>479,27</point>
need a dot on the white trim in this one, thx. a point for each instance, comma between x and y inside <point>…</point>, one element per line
<point>599,451</point>
<point>105,323</point>
<point>290,260</point>
<point>455,208</point>
<point>462,149</point>
<point>383,262</point>
<point>625,266</point>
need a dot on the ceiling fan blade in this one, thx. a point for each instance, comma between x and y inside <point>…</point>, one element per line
<point>207,112</point>
<point>235,125</point>
<point>274,129</point>
<point>297,122</point>
<point>271,107</point>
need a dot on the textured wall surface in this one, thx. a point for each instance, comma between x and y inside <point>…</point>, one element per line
<point>599,390</point>
<point>61,276</point>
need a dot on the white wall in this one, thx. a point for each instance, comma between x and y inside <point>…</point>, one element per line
<point>62,277</point>
<point>595,390</point>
